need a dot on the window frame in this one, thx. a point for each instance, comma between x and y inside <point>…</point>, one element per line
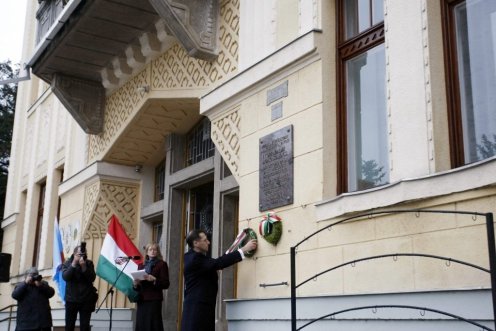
<point>160,173</point>
<point>455,125</point>
<point>347,49</point>
<point>452,79</point>
<point>195,150</point>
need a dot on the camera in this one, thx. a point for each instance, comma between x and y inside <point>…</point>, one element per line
<point>83,250</point>
<point>36,278</point>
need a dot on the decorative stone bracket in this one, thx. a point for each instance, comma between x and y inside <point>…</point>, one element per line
<point>84,99</point>
<point>195,23</point>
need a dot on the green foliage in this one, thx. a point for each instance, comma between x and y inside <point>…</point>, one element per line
<point>372,175</point>
<point>487,148</point>
<point>276,233</point>
<point>8,94</point>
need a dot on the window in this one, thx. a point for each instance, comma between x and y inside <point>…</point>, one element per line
<point>470,42</point>
<point>160,181</point>
<point>38,225</point>
<point>157,232</point>
<point>199,144</point>
<point>362,118</point>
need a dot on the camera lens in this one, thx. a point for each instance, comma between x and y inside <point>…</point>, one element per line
<point>37,278</point>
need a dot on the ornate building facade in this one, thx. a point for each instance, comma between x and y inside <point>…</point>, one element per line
<point>218,114</point>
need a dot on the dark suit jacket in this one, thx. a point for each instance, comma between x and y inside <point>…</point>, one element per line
<point>201,284</point>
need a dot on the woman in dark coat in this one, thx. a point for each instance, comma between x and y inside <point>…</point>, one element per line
<point>33,307</point>
<point>150,290</point>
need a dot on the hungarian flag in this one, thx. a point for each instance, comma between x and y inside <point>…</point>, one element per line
<point>116,255</point>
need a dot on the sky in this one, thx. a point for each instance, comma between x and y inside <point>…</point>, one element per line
<point>12,14</point>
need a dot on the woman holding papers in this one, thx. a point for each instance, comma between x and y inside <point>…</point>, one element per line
<point>150,288</point>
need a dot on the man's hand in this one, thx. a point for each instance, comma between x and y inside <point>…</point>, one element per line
<point>82,262</point>
<point>29,279</point>
<point>251,245</point>
<point>76,259</point>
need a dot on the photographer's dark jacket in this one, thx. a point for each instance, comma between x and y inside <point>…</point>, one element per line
<point>79,284</point>
<point>33,307</point>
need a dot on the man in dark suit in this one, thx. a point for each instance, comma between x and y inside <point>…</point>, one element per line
<point>201,281</point>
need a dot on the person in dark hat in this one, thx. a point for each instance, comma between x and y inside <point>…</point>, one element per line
<point>33,306</point>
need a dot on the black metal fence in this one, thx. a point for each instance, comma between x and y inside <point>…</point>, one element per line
<point>491,271</point>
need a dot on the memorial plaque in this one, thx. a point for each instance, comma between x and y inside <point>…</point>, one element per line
<point>277,93</point>
<point>276,111</point>
<point>276,169</point>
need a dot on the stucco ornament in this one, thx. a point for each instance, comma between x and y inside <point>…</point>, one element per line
<point>270,228</point>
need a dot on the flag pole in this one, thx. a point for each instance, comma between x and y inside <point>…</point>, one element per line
<point>111,292</point>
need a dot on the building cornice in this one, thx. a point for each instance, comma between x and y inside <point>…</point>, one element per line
<point>467,178</point>
<point>99,170</point>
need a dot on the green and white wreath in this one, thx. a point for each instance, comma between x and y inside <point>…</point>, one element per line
<point>242,239</point>
<point>270,228</point>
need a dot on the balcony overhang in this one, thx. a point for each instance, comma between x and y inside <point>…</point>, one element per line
<point>92,47</point>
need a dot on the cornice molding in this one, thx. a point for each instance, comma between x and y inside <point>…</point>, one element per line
<point>195,24</point>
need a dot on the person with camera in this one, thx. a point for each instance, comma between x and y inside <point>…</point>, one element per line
<point>33,306</point>
<point>80,294</point>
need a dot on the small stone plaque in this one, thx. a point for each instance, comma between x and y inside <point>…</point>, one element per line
<point>276,111</point>
<point>276,169</point>
<point>277,93</point>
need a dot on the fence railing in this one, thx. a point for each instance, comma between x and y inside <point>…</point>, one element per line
<point>9,318</point>
<point>491,254</point>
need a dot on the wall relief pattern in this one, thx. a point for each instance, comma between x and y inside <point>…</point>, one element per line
<point>173,69</point>
<point>104,198</point>
<point>176,69</point>
<point>225,135</point>
<point>28,146</point>
<point>119,107</point>
<point>43,135</point>
<point>101,200</point>
<point>62,123</point>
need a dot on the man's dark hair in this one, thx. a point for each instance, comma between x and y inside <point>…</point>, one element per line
<point>194,235</point>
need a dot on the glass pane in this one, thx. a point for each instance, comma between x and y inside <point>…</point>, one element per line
<point>367,124</point>
<point>363,15</point>
<point>157,233</point>
<point>350,14</point>
<point>476,52</point>
<point>357,16</point>
<point>200,146</point>
<point>160,181</point>
<point>377,11</point>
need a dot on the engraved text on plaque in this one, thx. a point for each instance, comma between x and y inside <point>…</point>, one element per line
<point>276,169</point>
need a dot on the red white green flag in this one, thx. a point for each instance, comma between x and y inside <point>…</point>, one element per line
<point>117,250</point>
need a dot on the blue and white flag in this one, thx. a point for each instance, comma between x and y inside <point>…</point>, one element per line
<point>58,259</point>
